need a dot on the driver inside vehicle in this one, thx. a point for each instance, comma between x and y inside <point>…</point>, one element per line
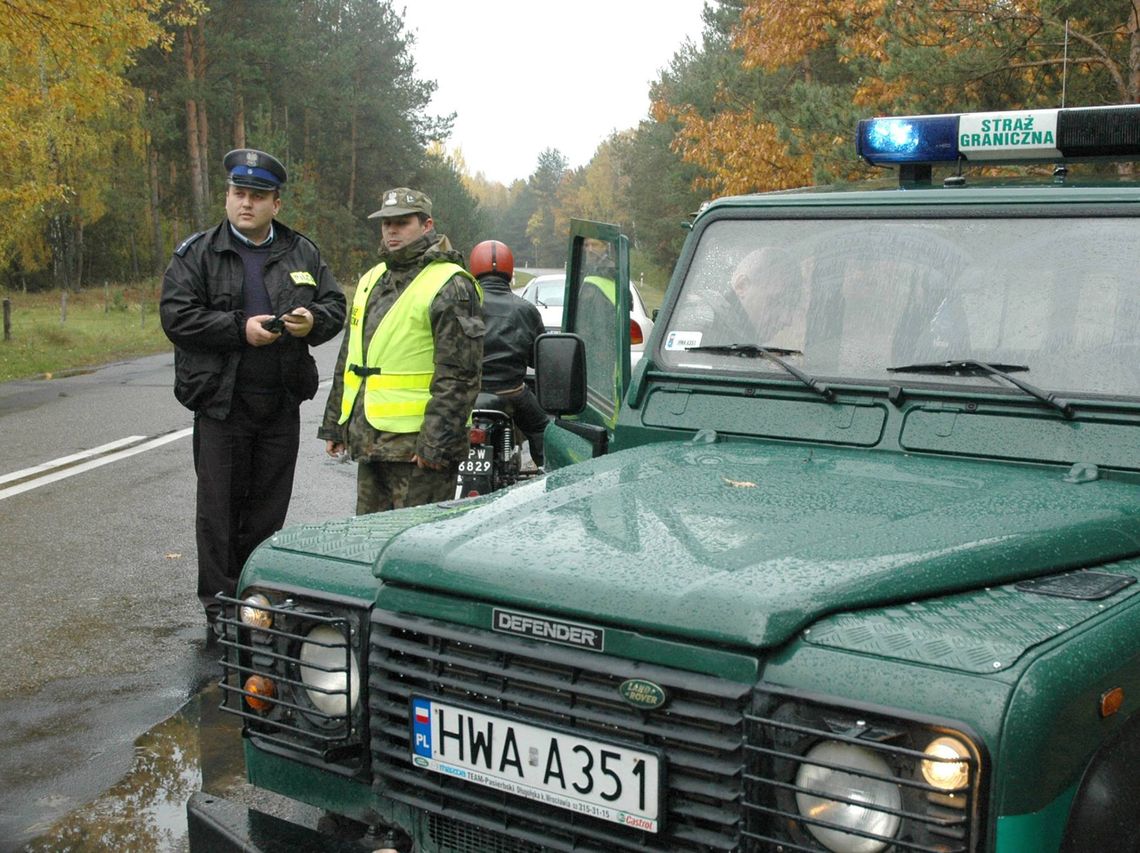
<point>771,293</point>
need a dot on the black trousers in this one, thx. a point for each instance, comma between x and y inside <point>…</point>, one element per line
<point>245,467</point>
<point>531,419</point>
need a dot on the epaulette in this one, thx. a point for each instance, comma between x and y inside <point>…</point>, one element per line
<point>185,244</point>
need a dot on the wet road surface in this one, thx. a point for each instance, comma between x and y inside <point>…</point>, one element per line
<point>102,634</point>
<point>199,748</point>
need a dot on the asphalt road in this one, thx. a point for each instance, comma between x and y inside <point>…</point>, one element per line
<point>102,633</point>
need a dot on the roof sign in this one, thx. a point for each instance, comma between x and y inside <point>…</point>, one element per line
<point>1014,136</point>
<point>1009,135</point>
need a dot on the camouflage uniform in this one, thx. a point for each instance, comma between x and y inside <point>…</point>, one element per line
<point>386,477</point>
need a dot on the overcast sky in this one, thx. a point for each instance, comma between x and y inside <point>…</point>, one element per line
<point>515,72</point>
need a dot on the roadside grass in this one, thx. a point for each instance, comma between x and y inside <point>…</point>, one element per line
<point>119,322</point>
<point>100,326</point>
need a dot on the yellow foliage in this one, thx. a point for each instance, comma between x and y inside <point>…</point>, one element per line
<point>741,151</point>
<point>740,154</point>
<point>777,33</point>
<point>64,104</point>
<point>598,191</point>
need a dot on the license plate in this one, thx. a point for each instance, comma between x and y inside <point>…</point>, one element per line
<point>610,781</point>
<point>478,460</point>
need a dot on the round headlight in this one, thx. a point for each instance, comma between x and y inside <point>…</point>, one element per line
<point>948,770</point>
<point>252,614</point>
<point>854,786</point>
<point>323,652</point>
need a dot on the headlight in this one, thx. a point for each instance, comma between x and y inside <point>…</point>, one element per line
<point>330,688</point>
<point>947,769</point>
<point>252,613</point>
<point>849,787</point>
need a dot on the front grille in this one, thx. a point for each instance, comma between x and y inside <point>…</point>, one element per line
<point>915,816</point>
<point>291,714</point>
<point>699,733</point>
<point>455,836</point>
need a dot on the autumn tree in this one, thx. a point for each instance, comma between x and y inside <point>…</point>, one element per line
<point>64,108</point>
<point>599,190</point>
<point>661,190</point>
<point>793,76</point>
<point>543,236</point>
<point>1031,53</point>
<point>455,210</point>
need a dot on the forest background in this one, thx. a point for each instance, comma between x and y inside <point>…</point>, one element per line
<point>115,115</point>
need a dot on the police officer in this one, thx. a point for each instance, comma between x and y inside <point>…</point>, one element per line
<point>409,363</point>
<point>508,347</point>
<point>242,303</point>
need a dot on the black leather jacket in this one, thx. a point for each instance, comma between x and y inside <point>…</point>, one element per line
<point>202,314</point>
<point>512,325</point>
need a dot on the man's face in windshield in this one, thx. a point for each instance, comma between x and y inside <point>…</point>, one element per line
<point>770,290</point>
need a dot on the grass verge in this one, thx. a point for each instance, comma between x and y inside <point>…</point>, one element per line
<point>92,327</point>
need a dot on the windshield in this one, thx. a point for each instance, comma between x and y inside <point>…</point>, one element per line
<point>1057,296</point>
<point>550,293</point>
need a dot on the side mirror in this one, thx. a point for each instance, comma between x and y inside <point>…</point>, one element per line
<point>560,373</point>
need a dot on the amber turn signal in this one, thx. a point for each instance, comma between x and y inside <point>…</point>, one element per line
<point>1111,701</point>
<point>262,687</point>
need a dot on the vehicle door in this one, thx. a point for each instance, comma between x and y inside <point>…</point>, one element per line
<point>597,310</point>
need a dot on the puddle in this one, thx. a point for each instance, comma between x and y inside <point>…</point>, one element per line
<point>199,748</point>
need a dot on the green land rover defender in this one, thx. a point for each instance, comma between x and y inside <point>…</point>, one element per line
<point>847,563</point>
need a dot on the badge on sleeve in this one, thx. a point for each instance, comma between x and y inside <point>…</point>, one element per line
<point>302,277</point>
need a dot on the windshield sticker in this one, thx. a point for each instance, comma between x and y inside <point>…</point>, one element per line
<point>682,340</point>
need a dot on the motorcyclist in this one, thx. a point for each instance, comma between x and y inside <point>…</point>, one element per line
<point>508,346</point>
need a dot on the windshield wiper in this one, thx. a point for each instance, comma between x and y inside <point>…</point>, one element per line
<point>970,367</point>
<point>772,354</point>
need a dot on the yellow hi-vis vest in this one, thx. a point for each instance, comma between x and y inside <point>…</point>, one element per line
<point>605,285</point>
<point>401,355</point>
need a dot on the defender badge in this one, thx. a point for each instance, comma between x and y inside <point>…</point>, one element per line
<point>576,634</point>
<point>643,694</point>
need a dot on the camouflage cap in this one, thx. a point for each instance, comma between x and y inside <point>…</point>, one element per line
<point>402,201</point>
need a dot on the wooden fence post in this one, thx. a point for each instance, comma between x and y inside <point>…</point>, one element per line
<point>7,319</point>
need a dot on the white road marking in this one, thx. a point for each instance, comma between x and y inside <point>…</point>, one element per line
<point>67,460</point>
<point>65,466</point>
<point>103,455</point>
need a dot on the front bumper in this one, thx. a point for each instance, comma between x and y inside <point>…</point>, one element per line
<point>217,824</point>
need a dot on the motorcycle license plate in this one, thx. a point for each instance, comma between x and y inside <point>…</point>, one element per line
<point>614,782</point>
<point>478,460</point>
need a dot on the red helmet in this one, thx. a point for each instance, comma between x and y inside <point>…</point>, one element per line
<point>491,256</point>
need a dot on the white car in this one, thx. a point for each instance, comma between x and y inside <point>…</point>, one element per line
<point>547,292</point>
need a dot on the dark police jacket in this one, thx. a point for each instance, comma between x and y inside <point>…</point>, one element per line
<point>202,313</point>
<point>512,325</point>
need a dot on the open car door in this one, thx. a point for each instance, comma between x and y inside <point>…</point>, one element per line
<point>591,355</point>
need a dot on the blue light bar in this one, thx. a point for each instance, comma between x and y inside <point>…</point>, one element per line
<point>914,139</point>
<point>1013,136</point>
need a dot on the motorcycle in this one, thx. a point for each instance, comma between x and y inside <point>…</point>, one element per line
<point>494,459</point>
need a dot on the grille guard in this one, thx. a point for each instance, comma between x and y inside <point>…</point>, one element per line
<point>293,721</point>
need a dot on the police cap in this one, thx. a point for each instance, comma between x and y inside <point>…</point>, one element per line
<point>248,167</point>
<point>401,202</point>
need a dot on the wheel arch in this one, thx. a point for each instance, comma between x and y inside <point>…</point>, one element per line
<point>1104,811</point>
